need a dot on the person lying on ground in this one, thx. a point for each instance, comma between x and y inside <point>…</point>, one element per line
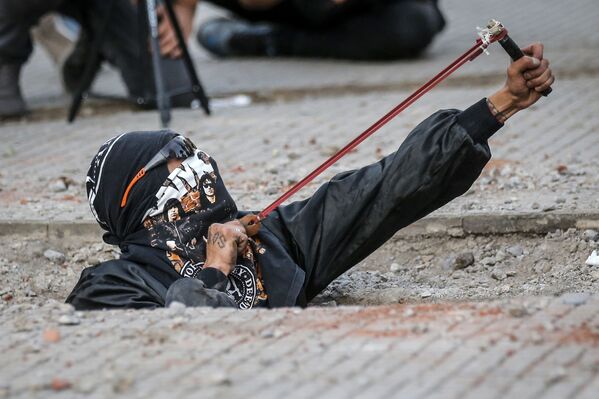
<point>348,29</point>
<point>165,204</point>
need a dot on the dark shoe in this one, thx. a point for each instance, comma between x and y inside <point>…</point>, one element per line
<point>193,293</point>
<point>11,99</point>
<point>225,38</point>
<point>74,65</point>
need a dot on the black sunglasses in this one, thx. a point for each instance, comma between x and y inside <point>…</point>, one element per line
<point>178,148</point>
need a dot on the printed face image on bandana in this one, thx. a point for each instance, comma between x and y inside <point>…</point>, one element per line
<point>192,198</point>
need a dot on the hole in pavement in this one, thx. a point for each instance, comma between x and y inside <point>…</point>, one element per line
<point>416,269</point>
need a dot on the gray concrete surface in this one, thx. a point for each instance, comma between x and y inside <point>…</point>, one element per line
<point>289,139</point>
<point>528,348</point>
<point>538,195</point>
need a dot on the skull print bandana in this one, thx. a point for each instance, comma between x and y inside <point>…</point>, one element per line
<point>168,213</point>
<point>191,198</point>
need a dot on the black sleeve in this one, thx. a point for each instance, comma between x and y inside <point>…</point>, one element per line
<point>479,122</point>
<point>213,278</point>
<point>357,211</point>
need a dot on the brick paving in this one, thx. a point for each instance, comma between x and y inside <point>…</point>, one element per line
<point>524,347</point>
<point>297,136</point>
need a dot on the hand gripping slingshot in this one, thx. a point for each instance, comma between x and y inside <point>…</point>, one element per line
<point>494,32</point>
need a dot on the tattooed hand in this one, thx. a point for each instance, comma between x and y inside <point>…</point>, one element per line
<point>223,243</point>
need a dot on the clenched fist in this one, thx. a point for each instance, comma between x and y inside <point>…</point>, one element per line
<point>527,78</point>
<point>224,242</point>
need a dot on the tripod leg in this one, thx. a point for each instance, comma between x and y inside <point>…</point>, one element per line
<point>162,100</point>
<point>196,87</point>
<point>90,67</point>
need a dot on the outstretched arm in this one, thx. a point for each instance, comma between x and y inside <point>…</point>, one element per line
<point>357,211</point>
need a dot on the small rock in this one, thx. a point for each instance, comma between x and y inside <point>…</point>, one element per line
<point>591,235</point>
<point>51,335</point>
<point>517,311</point>
<point>409,312</point>
<point>463,260</point>
<point>556,376</point>
<point>504,289</point>
<point>328,304</point>
<point>68,320</point>
<point>426,294</point>
<point>92,260</point>
<point>560,200</point>
<point>123,384</point>
<point>65,308</point>
<point>54,256</point>
<point>537,338</point>
<point>498,275</point>
<point>510,273</point>
<point>489,261</point>
<point>59,384</point>
<point>271,333</point>
<point>500,256</point>
<point>420,329</point>
<point>593,259</point>
<point>176,308</point>
<point>395,267</point>
<point>217,377</point>
<point>58,185</point>
<point>549,208</point>
<point>7,297</point>
<point>535,205</point>
<point>515,250</point>
<point>178,321</point>
<point>575,298</point>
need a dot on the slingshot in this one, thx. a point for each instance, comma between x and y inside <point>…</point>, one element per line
<point>494,32</point>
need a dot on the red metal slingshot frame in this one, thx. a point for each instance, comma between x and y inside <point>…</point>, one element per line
<point>494,31</point>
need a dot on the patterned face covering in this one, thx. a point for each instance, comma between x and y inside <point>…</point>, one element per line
<point>192,198</point>
<point>166,214</point>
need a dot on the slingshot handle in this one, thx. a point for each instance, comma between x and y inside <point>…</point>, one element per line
<point>515,53</point>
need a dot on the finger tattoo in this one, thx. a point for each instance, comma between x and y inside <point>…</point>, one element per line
<point>217,239</point>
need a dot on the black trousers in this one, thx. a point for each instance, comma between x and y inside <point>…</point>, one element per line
<point>124,44</point>
<point>354,29</point>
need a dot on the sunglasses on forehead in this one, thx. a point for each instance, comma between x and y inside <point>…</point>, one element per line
<point>178,148</point>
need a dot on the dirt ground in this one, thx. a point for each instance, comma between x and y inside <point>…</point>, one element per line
<point>403,270</point>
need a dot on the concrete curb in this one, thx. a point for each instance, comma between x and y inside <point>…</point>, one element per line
<point>455,226</point>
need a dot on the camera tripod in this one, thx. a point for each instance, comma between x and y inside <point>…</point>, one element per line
<point>147,9</point>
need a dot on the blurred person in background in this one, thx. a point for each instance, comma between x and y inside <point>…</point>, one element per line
<point>121,47</point>
<point>348,29</point>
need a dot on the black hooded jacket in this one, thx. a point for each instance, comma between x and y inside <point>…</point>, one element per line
<point>306,244</point>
